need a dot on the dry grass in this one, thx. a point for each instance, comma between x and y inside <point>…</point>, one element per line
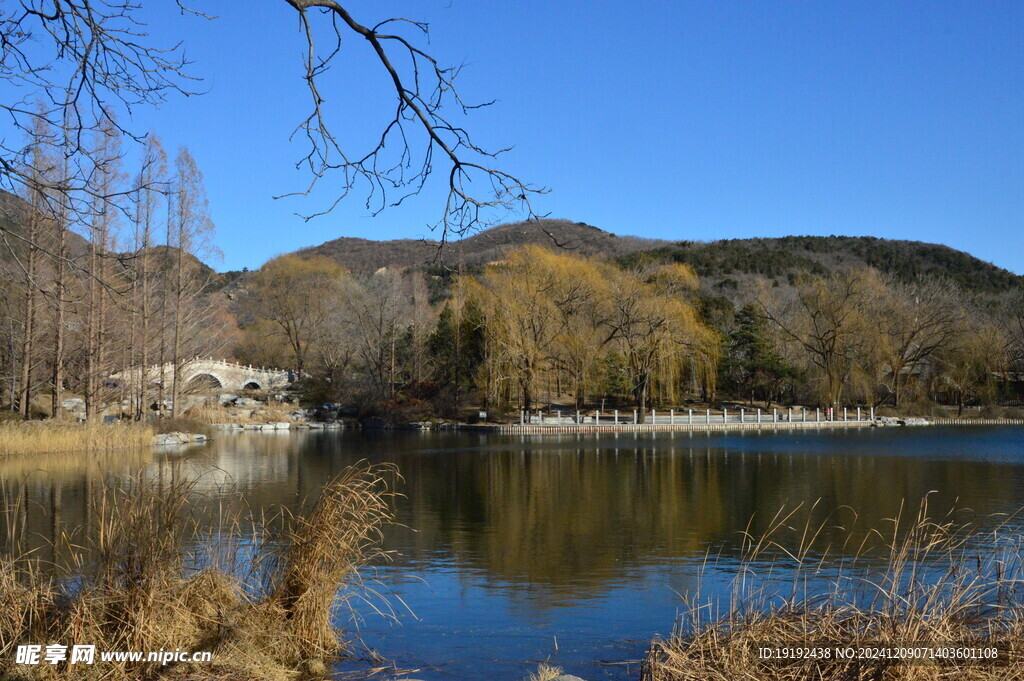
<point>545,672</point>
<point>38,437</point>
<point>265,413</point>
<point>921,581</point>
<point>261,601</point>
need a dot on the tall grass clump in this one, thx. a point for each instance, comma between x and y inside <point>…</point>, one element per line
<point>39,437</point>
<point>918,582</point>
<point>143,575</point>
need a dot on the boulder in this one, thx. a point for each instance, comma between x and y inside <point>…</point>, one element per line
<point>281,425</point>
<point>171,439</point>
<point>227,399</point>
<point>914,421</point>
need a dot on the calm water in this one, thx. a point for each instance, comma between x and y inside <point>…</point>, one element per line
<point>575,549</point>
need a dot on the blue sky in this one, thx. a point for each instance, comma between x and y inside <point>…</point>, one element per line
<point>677,120</point>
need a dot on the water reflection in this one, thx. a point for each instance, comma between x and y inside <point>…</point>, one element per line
<point>574,536</point>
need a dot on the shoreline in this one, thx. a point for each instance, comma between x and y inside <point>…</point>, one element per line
<point>523,429</point>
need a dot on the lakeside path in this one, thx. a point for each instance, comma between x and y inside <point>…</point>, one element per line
<point>538,429</point>
<point>516,428</point>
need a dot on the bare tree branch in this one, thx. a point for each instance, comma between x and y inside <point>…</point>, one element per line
<point>398,165</point>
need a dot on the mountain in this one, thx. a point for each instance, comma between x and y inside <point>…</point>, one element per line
<point>727,267</point>
<point>364,255</point>
<point>14,220</point>
<point>729,264</point>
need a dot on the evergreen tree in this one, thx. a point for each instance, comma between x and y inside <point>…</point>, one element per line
<point>753,366</point>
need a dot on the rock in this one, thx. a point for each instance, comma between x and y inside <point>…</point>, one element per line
<point>886,421</point>
<point>246,402</point>
<point>281,425</point>
<point>73,403</point>
<point>197,437</point>
<point>227,399</point>
<point>170,439</point>
<point>914,421</point>
<point>566,677</point>
<point>253,426</point>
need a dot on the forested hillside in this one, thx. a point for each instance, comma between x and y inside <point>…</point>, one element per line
<point>364,255</point>
<point>723,264</point>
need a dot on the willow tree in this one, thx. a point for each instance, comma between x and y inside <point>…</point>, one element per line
<point>297,296</point>
<point>969,363</point>
<point>652,324</point>
<point>538,308</point>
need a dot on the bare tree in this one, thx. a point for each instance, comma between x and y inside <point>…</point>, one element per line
<point>91,59</point>
<point>421,134</point>
<point>825,318</point>
<point>189,230</point>
<point>915,320</point>
<point>86,61</point>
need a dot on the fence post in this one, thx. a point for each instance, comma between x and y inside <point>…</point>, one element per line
<point>634,417</point>
<point>872,413</point>
<point>654,417</point>
<point>522,419</point>
<point>858,414</point>
<point>759,416</point>
<point>671,417</point>
<point>707,415</point>
<point>803,412</point>
<point>578,416</point>
<point>741,415</point>
<point>775,415</point>
<point>817,415</point>
<point>725,416</point>
<point>689,416</point>
<point>615,422</point>
<point>844,414</point>
<point>597,417</point>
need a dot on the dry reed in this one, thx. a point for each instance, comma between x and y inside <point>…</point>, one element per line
<point>266,413</point>
<point>38,437</point>
<point>922,583</point>
<point>142,576</point>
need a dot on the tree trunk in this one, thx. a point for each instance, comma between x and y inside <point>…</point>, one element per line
<point>29,323</point>
<point>60,275</point>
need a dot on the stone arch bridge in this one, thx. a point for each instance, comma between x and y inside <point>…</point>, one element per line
<point>209,375</point>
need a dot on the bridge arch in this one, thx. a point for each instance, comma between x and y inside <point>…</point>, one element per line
<point>252,385</point>
<point>203,381</point>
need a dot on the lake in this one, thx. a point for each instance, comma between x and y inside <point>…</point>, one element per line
<point>513,550</point>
